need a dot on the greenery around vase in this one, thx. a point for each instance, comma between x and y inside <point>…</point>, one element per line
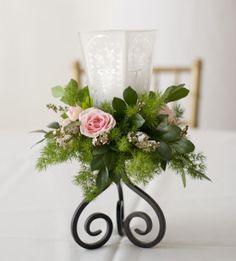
<point>142,144</point>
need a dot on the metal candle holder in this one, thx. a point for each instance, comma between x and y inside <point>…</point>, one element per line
<point>123,224</point>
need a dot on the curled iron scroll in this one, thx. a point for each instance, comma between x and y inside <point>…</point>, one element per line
<point>87,225</point>
<point>123,225</point>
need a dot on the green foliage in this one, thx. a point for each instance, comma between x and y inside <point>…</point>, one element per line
<point>106,106</point>
<point>179,112</point>
<point>175,93</point>
<point>115,134</point>
<point>71,93</point>
<point>130,96</point>
<point>87,180</point>
<point>123,145</point>
<point>189,164</point>
<point>53,154</point>
<point>152,102</point>
<point>58,91</point>
<point>164,152</point>
<point>85,100</point>
<point>184,146</point>
<point>118,105</point>
<point>54,125</point>
<point>141,168</point>
<point>102,180</point>
<point>123,157</point>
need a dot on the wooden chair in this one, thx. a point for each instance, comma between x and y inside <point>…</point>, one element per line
<point>194,70</point>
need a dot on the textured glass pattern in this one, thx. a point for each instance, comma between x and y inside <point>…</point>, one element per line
<point>117,59</point>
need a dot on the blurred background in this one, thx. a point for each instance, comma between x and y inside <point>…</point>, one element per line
<point>39,44</point>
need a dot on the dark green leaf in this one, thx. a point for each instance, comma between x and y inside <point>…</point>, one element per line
<point>163,127</point>
<point>118,105</point>
<point>152,94</point>
<point>130,96</point>
<point>184,146</point>
<point>54,125</point>
<point>174,93</point>
<point>38,142</point>
<point>205,177</point>
<point>57,91</point>
<point>138,120</point>
<point>110,159</point>
<point>97,162</point>
<point>99,150</point>
<point>38,131</point>
<point>172,134</point>
<point>102,180</point>
<point>164,151</point>
<point>115,176</point>
<point>163,164</point>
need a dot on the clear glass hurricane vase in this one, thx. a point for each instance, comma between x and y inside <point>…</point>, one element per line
<point>115,60</point>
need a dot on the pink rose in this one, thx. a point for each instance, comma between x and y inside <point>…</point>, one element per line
<point>94,122</point>
<point>74,112</point>
<point>167,111</point>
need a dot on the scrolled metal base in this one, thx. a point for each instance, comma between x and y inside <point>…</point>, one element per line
<point>123,225</point>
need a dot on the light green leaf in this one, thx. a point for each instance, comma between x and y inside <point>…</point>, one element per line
<point>130,96</point>
<point>71,93</point>
<point>175,92</point>
<point>57,91</point>
<point>118,105</point>
<point>138,120</point>
<point>183,176</point>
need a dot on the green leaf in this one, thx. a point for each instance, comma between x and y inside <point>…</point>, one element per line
<point>173,133</point>
<point>118,105</point>
<point>163,164</point>
<point>163,127</point>
<point>54,125</point>
<point>102,180</point>
<point>183,176</point>
<point>38,142</point>
<point>99,150</point>
<point>130,96</point>
<point>85,98</point>
<point>110,159</point>
<point>38,131</point>
<point>175,92</point>
<point>57,91</point>
<point>184,146</point>
<point>97,162</point>
<point>138,120</point>
<point>164,151</point>
<point>71,93</point>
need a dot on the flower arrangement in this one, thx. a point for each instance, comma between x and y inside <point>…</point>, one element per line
<point>134,138</point>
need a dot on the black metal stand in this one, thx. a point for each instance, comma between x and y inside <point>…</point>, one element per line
<point>123,225</point>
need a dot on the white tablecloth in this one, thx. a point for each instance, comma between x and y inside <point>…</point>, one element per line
<point>36,208</point>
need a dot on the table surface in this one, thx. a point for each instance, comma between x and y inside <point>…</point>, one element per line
<point>36,208</point>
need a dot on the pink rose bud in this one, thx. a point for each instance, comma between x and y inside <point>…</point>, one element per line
<point>74,112</point>
<point>167,111</point>
<point>94,122</point>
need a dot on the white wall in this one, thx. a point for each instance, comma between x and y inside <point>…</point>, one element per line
<point>38,43</point>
